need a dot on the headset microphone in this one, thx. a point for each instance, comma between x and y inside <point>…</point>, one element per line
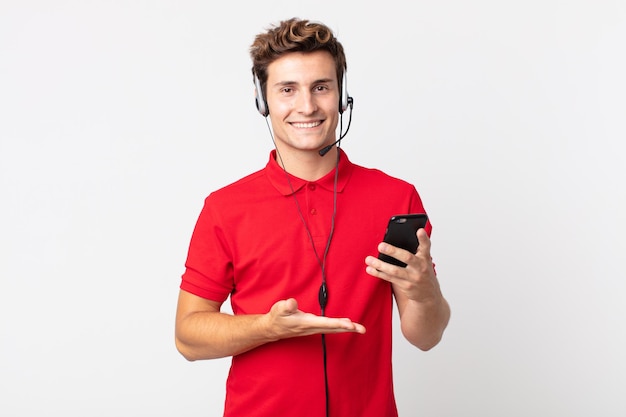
<point>326,149</point>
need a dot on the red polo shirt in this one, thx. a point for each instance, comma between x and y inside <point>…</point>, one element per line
<point>250,243</point>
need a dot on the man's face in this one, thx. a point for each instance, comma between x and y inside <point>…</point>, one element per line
<point>303,95</point>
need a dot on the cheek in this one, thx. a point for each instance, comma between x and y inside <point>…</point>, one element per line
<point>280,108</point>
<point>333,120</point>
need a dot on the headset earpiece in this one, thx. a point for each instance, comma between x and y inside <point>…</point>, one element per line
<point>259,98</point>
<point>343,94</point>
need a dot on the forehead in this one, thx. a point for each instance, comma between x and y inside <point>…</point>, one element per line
<point>302,67</point>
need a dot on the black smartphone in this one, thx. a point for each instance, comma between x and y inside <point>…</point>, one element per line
<point>401,232</point>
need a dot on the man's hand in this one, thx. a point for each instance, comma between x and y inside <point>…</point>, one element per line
<point>417,281</point>
<point>424,312</point>
<point>284,320</point>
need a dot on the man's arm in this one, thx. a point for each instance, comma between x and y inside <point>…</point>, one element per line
<point>203,332</point>
<point>422,322</point>
<point>424,312</point>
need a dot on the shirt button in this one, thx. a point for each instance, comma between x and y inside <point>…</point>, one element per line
<point>312,187</point>
<point>313,211</point>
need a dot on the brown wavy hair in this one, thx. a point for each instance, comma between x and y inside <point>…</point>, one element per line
<point>294,35</point>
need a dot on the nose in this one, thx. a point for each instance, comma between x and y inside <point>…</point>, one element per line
<point>305,103</point>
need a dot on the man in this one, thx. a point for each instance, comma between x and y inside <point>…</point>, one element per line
<point>294,245</point>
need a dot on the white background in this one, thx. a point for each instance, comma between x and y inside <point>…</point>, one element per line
<point>118,117</point>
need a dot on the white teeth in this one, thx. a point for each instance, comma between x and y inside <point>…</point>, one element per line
<point>306,125</point>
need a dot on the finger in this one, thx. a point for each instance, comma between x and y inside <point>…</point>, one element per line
<point>340,325</point>
<point>380,269</point>
<point>424,241</point>
<point>285,307</point>
<point>291,305</point>
<point>395,252</point>
<point>356,327</point>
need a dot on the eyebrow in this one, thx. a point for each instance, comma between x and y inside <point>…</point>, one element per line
<point>320,81</point>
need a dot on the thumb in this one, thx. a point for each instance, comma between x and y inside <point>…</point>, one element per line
<point>286,307</point>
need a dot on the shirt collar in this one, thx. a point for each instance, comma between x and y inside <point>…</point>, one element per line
<point>278,177</point>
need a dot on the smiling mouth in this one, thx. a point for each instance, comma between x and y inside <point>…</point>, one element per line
<point>306,125</point>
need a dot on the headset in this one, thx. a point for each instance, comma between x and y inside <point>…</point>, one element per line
<point>261,104</point>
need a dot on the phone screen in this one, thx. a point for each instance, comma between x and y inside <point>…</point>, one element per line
<point>401,232</point>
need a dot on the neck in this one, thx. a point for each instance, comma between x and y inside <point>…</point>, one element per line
<point>307,165</point>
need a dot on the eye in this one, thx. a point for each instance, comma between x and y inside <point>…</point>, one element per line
<point>321,87</point>
<point>286,90</point>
